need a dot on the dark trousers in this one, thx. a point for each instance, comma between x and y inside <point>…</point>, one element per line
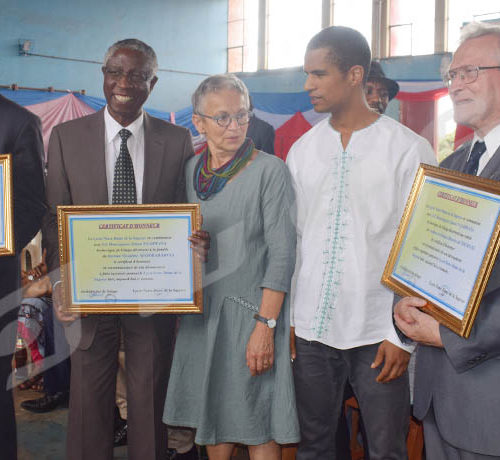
<point>56,362</point>
<point>9,307</point>
<point>148,349</point>
<point>320,374</point>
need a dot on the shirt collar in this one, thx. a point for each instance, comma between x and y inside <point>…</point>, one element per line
<point>113,127</point>
<point>492,141</point>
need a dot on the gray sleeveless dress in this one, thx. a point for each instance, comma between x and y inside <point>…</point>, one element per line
<point>252,247</point>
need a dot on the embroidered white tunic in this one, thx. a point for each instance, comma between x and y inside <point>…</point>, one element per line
<point>349,204</point>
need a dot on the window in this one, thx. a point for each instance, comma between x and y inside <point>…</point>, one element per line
<point>242,35</point>
<point>411,27</point>
<point>461,13</point>
<point>356,14</point>
<point>291,24</point>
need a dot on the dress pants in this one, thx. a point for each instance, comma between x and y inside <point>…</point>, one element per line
<point>436,448</point>
<point>148,347</point>
<point>320,374</point>
<point>9,308</point>
<point>8,440</point>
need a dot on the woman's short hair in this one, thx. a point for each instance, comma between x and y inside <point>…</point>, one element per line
<point>217,83</point>
<point>136,45</point>
<point>346,48</point>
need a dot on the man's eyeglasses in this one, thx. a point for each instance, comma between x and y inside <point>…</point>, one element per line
<point>224,120</point>
<point>466,74</point>
<point>132,77</point>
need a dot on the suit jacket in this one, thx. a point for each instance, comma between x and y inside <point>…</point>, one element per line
<point>77,176</point>
<point>262,135</point>
<point>462,380</point>
<point>20,135</point>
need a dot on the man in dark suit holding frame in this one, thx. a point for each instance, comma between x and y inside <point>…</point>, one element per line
<point>20,135</point>
<point>118,155</point>
<point>457,379</point>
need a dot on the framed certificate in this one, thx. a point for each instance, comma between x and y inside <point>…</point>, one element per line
<point>446,244</point>
<point>6,207</point>
<point>130,258</point>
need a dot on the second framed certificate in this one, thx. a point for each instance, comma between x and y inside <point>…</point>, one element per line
<point>130,258</point>
<point>6,207</point>
<point>447,244</point>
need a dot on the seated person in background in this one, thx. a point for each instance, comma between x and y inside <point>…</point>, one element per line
<point>379,89</point>
<point>37,298</point>
<point>30,330</point>
<point>261,133</point>
<point>231,376</point>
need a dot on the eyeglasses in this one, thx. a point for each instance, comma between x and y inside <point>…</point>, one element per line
<point>132,77</point>
<point>466,74</point>
<point>224,120</point>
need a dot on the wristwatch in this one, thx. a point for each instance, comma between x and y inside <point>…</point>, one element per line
<point>270,323</point>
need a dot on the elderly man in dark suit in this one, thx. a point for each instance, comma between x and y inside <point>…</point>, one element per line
<point>457,380</point>
<point>20,136</point>
<point>117,155</point>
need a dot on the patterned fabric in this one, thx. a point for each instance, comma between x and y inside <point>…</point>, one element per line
<point>124,181</point>
<point>208,181</point>
<point>337,231</point>
<point>473,161</point>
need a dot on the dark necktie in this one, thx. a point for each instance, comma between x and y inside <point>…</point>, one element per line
<point>473,161</point>
<point>124,180</point>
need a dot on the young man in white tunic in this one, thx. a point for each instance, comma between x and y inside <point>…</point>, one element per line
<point>352,174</point>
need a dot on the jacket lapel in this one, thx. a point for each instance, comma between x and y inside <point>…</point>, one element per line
<point>153,159</point>
<point>462,159</point>
<point>96,155</point>
<point>492,168</point>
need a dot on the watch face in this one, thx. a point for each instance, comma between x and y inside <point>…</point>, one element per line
<point>271,323</point>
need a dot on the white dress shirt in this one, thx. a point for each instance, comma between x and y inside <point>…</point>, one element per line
<point>349,205</point>
<point>492,141</point>
<point>135,144</point>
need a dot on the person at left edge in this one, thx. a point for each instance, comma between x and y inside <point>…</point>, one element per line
<point>20,135</point>
<point>81,169</point>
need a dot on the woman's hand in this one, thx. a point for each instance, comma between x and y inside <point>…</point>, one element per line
<point>200,243</point>
<point>293,349</point>
<point>260,349</point>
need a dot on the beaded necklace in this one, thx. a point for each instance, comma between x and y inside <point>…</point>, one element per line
<point>208,181</point>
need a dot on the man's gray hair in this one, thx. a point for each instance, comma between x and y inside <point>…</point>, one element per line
<point>218,83</point>
<point>479,29</point>
<point>136,45</point>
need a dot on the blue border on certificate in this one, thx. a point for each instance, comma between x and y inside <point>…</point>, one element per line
<point>141,217</point>
<point>2,206</point>
<point>464,190</point>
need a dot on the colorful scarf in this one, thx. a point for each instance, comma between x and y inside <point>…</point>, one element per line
<point>208,181</point>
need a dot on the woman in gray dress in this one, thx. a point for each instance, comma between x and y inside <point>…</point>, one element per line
<point>231,377</point>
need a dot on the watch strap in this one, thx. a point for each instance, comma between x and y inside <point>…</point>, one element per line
<point>270,323</point>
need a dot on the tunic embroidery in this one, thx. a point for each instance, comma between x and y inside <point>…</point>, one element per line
<point>334,243</point>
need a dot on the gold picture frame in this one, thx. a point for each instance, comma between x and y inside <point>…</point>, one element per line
<point>7,246</point>
<point>446,244</point>
<point>130,258</point>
